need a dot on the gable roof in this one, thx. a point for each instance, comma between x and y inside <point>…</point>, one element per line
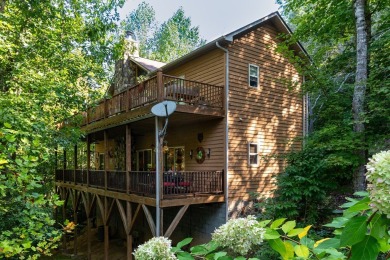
<point>275,18</point>
<point>146,64</point>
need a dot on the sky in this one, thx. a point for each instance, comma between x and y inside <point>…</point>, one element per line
<point>214,17</point>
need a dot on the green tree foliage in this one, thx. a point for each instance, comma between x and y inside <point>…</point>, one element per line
<point>166,42</point>
<point>54,57</point>
<point>303,189</point>
<point>142,22</point>
<point>328,31</point>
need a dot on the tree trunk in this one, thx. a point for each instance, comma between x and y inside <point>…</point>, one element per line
<point>2,5</point>
<point>359,93</point>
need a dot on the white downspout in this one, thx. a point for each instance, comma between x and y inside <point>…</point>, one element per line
<point>226,163</point>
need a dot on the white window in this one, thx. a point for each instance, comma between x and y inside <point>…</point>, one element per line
<point>253,155</point>
<point>253,76</point>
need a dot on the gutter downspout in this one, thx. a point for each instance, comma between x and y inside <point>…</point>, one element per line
<point>305,114</point>
<point>226,162</point>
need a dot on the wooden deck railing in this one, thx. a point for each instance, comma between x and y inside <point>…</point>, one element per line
<point>192,92</point>
<point>158,88</point>
<point>143,182</point>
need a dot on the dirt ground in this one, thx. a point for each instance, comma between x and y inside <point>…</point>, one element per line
<point>117,249</point>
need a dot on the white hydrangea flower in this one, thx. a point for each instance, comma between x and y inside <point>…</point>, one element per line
<point>155,248</point>
<point>378,174</point>
<point>239,235</point>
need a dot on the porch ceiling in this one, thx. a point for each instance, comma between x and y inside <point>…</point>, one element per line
<point>142,118</point>
<point>177,119</point>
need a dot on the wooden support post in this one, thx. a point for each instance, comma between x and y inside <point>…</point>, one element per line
<point>135,216</point>
<point>89,226</point>
<point>129,246</point>
<point>88,208</point>
<point>64,165</point>
<point>105,210</point>
<point>106,241</point>
<point>63,220</point>
<point>127,220</point>
<point>75,163</point>
<point>88,158</point>
<point>160,86</point>
<point>105,159</point>
<point>75,206</point>
<point>176,221</point>
<point>149,218</point>
<point>129,237</point>
<point>128,157</point>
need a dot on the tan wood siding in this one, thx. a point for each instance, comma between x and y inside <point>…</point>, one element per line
<point>270,115</point>
<point>185,135</point>
<point>207,68</point>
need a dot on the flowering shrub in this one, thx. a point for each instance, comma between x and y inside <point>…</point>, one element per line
<point>378,174</point>
<point>239,235</point>
<point>155,248</point>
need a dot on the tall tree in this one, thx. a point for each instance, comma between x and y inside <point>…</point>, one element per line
<point>142,22</point>
<point>338,35</point>
<point>53,58</point>
<point>175,38</point>
<point>166,42</point>
<point>359,93</point>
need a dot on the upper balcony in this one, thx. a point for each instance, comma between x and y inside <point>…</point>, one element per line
<point>135,101</point>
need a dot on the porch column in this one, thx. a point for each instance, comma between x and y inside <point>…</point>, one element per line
<point>75,163</point>
<point>64,165</point>
<point>105,159</point>
<point>89,251</point>
<point>129,237</point>
<point>106,214</point>
<point>105,211</point>
<point>64,240</point>
<point>128,158</point>
<point>75,220</point>
<point>88,158</point>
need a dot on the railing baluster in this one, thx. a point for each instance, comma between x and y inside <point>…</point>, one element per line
<point>143,182</point>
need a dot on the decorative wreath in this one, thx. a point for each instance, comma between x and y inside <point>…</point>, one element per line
<point>200,155</point>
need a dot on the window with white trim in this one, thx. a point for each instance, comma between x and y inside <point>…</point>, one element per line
<point>253,76</point>
<point>253,154</point>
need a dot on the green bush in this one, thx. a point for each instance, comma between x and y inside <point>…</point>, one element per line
<point>360,233</point>
<point>304,187</point>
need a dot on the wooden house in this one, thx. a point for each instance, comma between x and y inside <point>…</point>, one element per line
<point>234,113</point>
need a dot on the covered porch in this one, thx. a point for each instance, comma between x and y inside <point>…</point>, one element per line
<point>183,184</point>
<point>122,159</point>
